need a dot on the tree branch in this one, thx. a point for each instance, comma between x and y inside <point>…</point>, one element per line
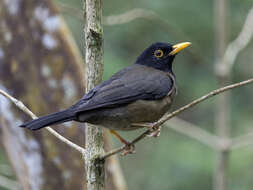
<point>178,111</point>
<point>236,46</point>
<point>194,132</point>
<point>201,99</point>
<point>22,107</point>
<point>241,41</point>
<point>208,139</point>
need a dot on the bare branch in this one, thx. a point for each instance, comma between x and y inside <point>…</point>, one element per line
<point>178,111</point>
<point>22,107</point>
<point>201,99</point>
<point>194,132</point>
<point>236,46</point>
<point>68,142</point>
<point>112,19</point>
<point>235,143</point>
<point>241,41</point>
<point>129,16</point>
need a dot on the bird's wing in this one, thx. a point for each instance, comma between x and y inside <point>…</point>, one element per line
<point>130,84</point>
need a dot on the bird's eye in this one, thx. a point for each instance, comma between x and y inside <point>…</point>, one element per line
<point>158,53</point>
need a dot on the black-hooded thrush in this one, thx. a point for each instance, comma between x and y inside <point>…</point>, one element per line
<point>140,93</point>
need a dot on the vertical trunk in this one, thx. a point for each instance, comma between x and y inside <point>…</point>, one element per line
<point>222,112</point>
<point>41,65</point>
<point>94,141</point>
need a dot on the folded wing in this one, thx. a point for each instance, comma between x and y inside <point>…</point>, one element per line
<point>133,83</point>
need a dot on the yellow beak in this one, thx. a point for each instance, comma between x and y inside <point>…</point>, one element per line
<point>179,47</point>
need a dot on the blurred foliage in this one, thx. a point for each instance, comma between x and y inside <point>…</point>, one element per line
<point>174,161</point>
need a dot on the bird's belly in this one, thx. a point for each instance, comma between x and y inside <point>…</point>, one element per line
<point>145,111</point>
<point>121,118</point>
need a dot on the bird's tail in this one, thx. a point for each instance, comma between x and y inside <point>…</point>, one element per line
<point>54,118</point>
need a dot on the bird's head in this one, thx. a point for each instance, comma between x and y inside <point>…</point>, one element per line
<point>160,55</point>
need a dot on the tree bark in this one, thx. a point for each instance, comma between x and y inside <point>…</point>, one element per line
<point>40,65</point>
<point>94,141</point>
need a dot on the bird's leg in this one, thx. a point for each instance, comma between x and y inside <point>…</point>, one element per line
<point>154,130</point>
<point>124,141</point>
<point>129,148</point>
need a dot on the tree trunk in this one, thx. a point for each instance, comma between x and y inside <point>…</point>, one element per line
<point>222,108</point>
<point>94,140</point>
<point>41,65</point>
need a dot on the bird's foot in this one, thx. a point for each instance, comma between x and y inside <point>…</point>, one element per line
<point>129,149</point>
<point>154,131</point>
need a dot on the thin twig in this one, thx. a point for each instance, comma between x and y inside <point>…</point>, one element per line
<point>122,18</point>
<point>178,111</point>
<point>236,46</point>
<point>22,107</point>
<point>201,99</point>
<point>241,41</point>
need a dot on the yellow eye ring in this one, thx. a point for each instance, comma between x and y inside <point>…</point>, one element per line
<point>158,53</point>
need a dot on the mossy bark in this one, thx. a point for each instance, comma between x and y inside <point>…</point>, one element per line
<point>94,141</point>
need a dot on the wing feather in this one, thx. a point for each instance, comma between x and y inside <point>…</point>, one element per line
<point>133,83</point>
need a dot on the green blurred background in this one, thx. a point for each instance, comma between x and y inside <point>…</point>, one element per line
<point>174,161</point>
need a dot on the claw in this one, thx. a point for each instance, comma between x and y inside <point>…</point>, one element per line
<point>154,131</point>
<point>129,149</point>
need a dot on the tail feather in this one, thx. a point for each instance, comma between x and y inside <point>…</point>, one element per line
<point>44,121</point>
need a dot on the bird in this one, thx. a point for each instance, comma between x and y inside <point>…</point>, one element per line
<point>136,95</point>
